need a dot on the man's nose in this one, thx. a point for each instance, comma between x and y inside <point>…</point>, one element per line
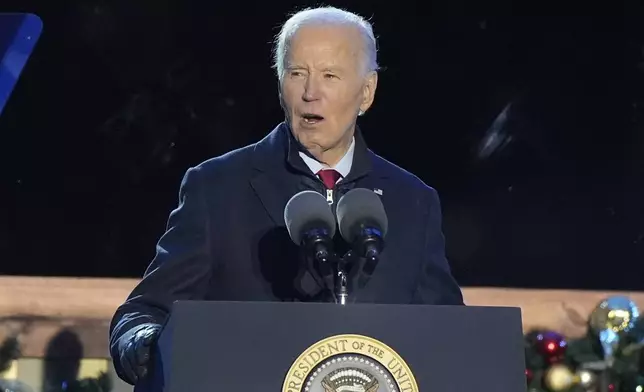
<point>311,89</point>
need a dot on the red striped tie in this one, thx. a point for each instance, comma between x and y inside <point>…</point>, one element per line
<point>329,177</point>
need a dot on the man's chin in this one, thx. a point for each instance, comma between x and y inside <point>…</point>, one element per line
<point>309,138</point>
<point>312,146</point>
<point>316,141</point>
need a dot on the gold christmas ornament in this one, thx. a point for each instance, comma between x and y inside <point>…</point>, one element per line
<point>559,378</point>
<point>586,378</point>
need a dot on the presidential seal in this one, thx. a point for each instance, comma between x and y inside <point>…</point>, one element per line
<point>349,363</point>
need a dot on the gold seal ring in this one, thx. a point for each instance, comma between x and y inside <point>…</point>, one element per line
<point>349,362</point>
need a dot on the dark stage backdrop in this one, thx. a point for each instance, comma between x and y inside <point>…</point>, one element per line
<point>530,127</point>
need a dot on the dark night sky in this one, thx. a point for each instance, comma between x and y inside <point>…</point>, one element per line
<point>121,97</point>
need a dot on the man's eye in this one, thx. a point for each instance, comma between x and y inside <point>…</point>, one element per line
<point>330,76</point>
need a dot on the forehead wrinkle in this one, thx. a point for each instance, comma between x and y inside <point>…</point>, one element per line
<point>328,55</point>
<point>344,42</point>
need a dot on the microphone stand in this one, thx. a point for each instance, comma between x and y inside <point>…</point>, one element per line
<point>342,280</point>
<point>341,283</point>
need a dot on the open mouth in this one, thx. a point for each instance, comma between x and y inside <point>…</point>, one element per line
<point>310,118</point>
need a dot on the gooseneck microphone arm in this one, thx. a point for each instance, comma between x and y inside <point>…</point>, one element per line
<point>332,268</point>
<point>341,283</point>
<point>318,245</point>
<point>369,242</point>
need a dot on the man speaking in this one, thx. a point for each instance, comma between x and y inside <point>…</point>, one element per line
<point>227,238</point>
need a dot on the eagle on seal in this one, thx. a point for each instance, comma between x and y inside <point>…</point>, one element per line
<point>349,380</point>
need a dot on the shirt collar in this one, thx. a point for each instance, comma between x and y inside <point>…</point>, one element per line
<point>343,166</point>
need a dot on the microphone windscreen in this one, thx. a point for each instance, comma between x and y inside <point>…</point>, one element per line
<point>360,207</point>
<point>308,210</point>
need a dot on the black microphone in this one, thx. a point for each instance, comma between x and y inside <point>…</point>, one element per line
<point>363,223</point>
<point>311,224</point>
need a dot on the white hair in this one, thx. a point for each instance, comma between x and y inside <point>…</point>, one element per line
<point>324,16</point>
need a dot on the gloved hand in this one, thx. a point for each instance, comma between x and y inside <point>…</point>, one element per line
<point>135,350</point>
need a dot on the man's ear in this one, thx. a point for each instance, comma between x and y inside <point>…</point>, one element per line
<point>369,91</point>
<point>279,93</point>
<point>287,115</point>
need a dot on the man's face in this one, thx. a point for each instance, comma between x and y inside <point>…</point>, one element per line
<point>325,87</point>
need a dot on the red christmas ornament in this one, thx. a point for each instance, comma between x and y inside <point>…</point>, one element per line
<point>528,375</point>
<point>552,345</point>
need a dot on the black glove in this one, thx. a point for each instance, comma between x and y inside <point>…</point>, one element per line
<point>135,350</point>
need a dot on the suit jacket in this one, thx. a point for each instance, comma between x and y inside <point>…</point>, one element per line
<point>226,239</point>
